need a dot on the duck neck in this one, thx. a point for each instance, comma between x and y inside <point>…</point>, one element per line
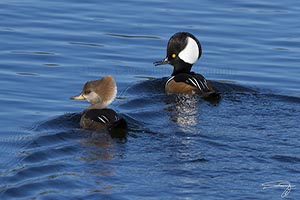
<point>97,106</point>
<point>181,67</point>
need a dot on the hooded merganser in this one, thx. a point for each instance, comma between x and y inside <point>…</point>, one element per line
<point>183,51</point>
<point>100,93</point>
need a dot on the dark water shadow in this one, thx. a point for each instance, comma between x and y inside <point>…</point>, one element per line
<point>132,36</point>
<point>156,86</point>
<point>86,44</point>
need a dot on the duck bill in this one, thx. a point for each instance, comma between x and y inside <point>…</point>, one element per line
<point>79,97</point>
<point>162,62</point>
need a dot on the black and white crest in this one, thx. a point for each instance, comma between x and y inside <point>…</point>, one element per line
<point>186,46</point>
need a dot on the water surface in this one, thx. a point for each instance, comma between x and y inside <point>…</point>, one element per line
<point>178,147</point>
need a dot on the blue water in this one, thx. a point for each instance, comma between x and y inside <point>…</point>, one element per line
<point>178,147</point>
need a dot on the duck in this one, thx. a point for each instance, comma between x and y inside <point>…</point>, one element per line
<point>100,94</point>
<point>183,51</point>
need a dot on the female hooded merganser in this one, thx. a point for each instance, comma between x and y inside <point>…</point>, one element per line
<point>100,93</point>
<point>182,52</point>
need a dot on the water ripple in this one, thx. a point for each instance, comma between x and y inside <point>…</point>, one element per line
<point>132,36</point>
<point>177,147</point>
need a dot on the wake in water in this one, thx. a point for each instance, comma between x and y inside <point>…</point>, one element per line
<point>57,150</point>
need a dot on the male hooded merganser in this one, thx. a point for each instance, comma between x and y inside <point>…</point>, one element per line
<point>183,51</point>
<point>100,93</point>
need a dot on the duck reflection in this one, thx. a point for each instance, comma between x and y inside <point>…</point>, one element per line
<point>101,146</point>
<point>185,110</point>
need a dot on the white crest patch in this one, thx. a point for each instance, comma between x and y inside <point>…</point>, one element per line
<point>190,53</point>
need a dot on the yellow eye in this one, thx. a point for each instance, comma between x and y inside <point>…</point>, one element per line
<point>173,55</point>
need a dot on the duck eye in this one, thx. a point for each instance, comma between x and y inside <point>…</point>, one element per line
<point>87,92</point>
<point>173,55</point>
